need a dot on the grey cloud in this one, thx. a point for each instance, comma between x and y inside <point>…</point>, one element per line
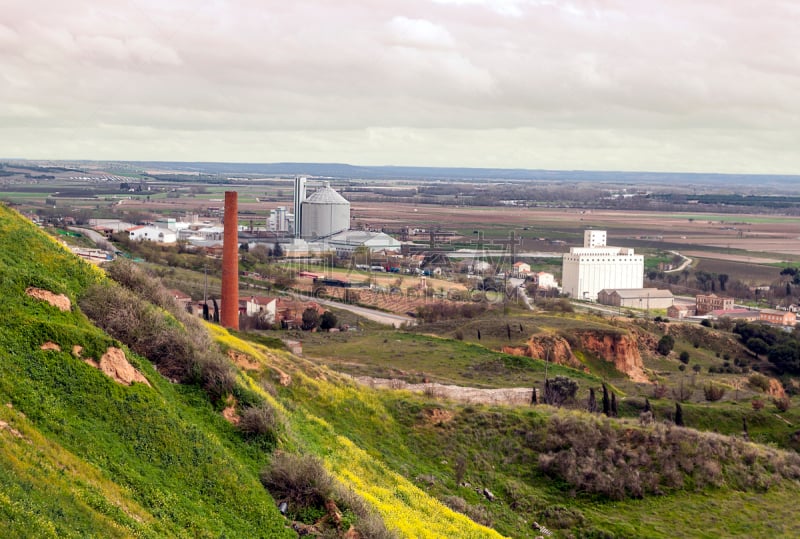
<point>675,84</point>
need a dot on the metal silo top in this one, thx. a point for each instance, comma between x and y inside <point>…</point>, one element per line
<point>326,195</point>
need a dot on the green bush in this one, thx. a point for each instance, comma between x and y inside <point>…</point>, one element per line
<point>713,393</point>
<point>665,345</point>
<point>260,423</point>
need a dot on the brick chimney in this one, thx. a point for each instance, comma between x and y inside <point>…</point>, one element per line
<point>229,317</point>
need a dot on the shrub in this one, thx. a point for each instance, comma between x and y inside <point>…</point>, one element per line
<point>259,420</point>
<point>328,320</point>
<point>697,368</point>
<point>311,318</point>
<point>758,381</point>
<point>665,345</point>
<point>168,336</point>
<point>757,404</point>
<point>301,481</point>
<point>659,391</point>
<point>561,517</point>
<point>713,393</point>
<point>782,403</point>
<point>684,357</point>
<point>560,389</point>
<point>706,323</point>
<point>477,513</point>
<point>308,489</point>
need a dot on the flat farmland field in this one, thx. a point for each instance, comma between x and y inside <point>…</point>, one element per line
<point>769,237</point>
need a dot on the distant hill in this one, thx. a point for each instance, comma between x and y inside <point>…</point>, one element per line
<point>347,171</point>
<point>340,170</point>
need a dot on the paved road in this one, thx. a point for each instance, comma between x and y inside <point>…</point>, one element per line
<point>381,317</point>
<point>88,232</point>
<point>684,264</point>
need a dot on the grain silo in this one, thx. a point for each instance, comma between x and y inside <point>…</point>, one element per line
<point>325,212</point>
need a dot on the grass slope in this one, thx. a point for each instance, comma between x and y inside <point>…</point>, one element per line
<point>90,457</point>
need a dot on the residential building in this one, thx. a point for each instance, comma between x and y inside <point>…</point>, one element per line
<point>781,318</point>
<point>681,311</point>
<point>747,315</point>
<point>637,298</point>
<point>264,307</point>
<point>183,299</point>
<point>589,269</point>
<point>544,280</point>
<point>712,302</point>
<point>521,270</point>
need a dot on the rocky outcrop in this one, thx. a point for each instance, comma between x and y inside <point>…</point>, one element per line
<point>230,413</point>
<point>59,301</point>
<point>547,346</point>
<point>115,365</point>
<point>621,349</point>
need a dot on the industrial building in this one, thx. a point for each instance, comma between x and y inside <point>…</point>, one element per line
<point>152,233</point>
<point>348,241</point>
<point>637,298</point>
<point>589,269</point>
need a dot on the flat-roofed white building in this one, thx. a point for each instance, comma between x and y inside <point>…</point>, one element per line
<point>545,280</point>
<point>589,269</point>
<point>152,233</point>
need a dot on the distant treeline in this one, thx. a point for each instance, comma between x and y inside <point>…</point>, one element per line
<point>760,201</point>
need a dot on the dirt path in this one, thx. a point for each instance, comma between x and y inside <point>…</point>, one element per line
<point>470,395</point>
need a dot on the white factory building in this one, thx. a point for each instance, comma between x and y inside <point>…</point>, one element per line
<point>589,269</point>
<point>152,233</point>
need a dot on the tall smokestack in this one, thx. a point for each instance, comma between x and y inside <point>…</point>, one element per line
<point>230,262</point>
<point>299,197</point>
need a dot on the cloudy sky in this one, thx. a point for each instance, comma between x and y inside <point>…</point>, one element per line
<point>672,85</point>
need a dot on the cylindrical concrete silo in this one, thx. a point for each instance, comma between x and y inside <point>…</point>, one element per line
<point>324,213</point>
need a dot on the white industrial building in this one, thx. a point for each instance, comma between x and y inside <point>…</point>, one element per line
<point>279,220</point>
<point>345,243</point>
<point>589,269</point>
<point>152,233</point>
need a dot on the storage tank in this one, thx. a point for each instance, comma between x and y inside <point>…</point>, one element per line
<point>324,213</point>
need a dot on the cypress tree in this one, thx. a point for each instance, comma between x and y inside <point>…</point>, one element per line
<point>606,401</point>
<point>592,401</point>
<point>678,414</point>
<point>647,407</point>
<point>614,405</point>
<point>216,310</point>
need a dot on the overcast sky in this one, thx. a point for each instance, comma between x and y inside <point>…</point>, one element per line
<point>672,85</point>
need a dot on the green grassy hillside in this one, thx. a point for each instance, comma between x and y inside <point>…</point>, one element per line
<point>84,456</point>
<point>81,455</point>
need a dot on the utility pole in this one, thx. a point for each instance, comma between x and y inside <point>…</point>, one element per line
<point>205,283</point>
